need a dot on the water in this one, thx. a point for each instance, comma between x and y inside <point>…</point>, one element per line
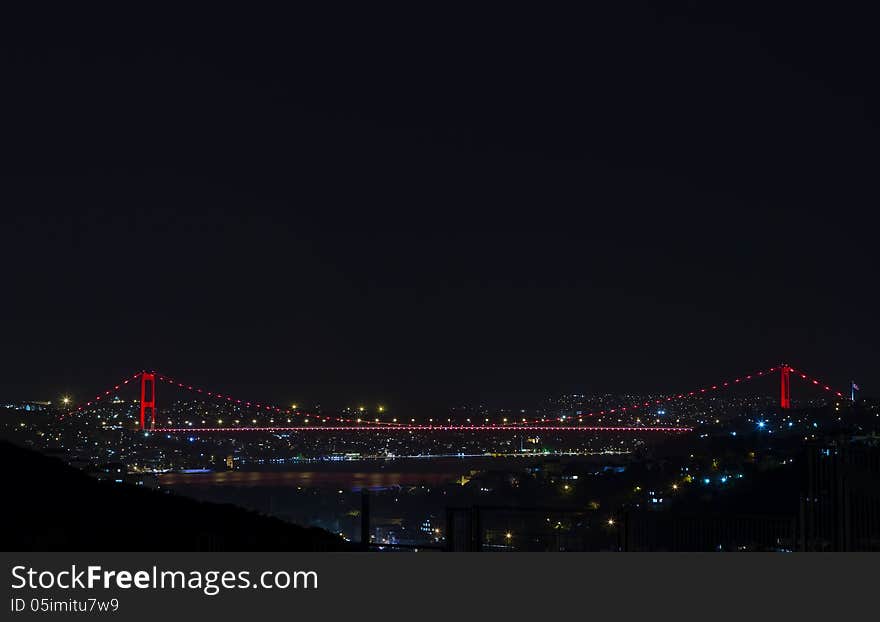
<point>347,480</point>
<point>406,493</point>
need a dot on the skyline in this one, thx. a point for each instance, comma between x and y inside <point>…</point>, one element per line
<point>722,472</point>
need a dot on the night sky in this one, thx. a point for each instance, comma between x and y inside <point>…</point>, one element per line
<point>436,208</point>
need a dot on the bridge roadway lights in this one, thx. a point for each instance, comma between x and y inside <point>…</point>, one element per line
<point>438,428</point>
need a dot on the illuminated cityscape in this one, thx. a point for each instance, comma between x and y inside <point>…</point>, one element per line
<point>576,472</point>
<point>603,281</point>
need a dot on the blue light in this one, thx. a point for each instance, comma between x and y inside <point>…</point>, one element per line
<point>733,433</point>
<point>762,425</point>
<point>707,481</point>
<point>723,479</point>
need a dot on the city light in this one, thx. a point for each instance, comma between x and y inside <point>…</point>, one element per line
<point>369,438</point>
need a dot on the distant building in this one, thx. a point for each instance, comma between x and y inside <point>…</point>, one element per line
<point>643,531</point>
<point>839,510</point>
<point>840,507</point>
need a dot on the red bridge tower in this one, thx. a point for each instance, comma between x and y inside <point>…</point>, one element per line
<point>148,399</point>
<point>785,393</point>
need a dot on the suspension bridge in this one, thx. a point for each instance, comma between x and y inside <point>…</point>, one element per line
<point>300,421</point>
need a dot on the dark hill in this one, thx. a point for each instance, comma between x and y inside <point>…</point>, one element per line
<point>51,506</point>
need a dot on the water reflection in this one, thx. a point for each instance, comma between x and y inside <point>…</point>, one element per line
<point>307,479</point>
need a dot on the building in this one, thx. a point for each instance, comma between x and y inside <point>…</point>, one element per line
<point>840,506</point>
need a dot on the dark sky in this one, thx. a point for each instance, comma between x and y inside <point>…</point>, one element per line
<point>429,208</point>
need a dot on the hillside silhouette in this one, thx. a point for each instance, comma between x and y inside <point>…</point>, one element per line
<point>53,507</point>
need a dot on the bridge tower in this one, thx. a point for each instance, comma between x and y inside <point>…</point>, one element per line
<point>785,387</point>
<point>148,399</point>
